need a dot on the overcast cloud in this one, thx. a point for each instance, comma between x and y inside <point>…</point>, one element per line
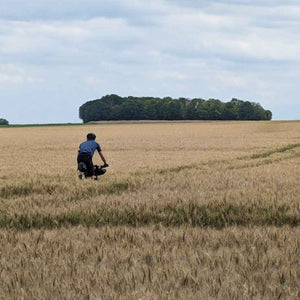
<point>56,55</point>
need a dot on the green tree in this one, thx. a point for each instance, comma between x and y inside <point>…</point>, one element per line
<point>131,110</point>
<point>3,122</point>
<point>230,112</point>
<point>246,111</point>
<point>173,110</point>
<point>212,109</point>
<point>114,107</point>
<point>151,107</point>
<point>194,109</point>
<point>268,115</point>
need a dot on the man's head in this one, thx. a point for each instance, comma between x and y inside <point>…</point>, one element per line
<point>91,136</point>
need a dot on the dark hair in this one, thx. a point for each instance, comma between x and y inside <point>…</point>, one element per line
<point>91,136</point>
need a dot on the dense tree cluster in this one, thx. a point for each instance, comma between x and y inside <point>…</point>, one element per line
<point>3,122</point>
<point>114,107</point>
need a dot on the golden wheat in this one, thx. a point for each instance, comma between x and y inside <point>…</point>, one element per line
<point>150,263</point>
<point>168,191</point>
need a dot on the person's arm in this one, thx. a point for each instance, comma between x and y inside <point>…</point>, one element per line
<point>102,157</point>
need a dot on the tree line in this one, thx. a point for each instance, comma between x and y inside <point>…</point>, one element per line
<point>114,107</point>
<point>3,121</point>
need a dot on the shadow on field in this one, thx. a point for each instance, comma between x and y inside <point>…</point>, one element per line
<point>219,216</point>
<point>37,187</point>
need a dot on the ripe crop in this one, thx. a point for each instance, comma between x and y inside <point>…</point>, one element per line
<point>204,210</point>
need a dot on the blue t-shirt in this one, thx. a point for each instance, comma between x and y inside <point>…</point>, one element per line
<point>90,147</point>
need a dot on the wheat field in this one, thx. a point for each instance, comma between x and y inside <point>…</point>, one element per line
<point>203,210</point>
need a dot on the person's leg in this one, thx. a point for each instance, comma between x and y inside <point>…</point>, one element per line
<point>84,165</point>
<point>92,170</point>
<point>80,166</point>
<point>90,167</point>
<point>89,170</point>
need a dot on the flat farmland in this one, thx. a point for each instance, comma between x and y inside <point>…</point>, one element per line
<point>203,210</point>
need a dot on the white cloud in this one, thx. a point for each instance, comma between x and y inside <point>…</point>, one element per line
<point>13,75</point>
<point>10,79</point>
<point>94,81</point>
<point>75,50</point>
<point>228,79</point>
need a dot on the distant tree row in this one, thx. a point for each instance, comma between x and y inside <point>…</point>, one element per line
<point>114,107</point>
<point>3,122</point>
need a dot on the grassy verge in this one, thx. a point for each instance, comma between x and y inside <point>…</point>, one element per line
<point>42,125</point>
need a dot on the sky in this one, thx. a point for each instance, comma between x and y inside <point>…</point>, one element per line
<point>56,55</point>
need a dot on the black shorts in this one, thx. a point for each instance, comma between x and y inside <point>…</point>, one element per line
<point>87,159</point>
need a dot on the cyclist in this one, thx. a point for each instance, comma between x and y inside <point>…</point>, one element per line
<point>85,155</point>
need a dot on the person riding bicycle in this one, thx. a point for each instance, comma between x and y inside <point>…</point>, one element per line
<point>85,155</point>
